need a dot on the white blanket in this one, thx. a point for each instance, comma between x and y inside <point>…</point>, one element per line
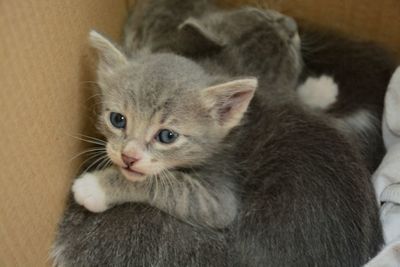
<point>387,179</point>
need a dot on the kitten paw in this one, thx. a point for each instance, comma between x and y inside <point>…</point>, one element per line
<point>88,193</point>
<point>318,93</point>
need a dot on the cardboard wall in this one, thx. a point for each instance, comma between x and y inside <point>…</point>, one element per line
<point>44,91</point>
<point>43,69</point>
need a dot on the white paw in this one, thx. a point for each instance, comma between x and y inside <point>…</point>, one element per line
<point>88,193</point>
<point>319,93</point>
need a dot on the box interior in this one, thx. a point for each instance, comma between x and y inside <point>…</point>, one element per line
<point>45,80</point>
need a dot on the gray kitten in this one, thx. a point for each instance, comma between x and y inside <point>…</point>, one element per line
<point>303,195</point>
<point>163,131</point>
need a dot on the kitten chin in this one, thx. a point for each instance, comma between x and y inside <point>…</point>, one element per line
<point>133,175</point>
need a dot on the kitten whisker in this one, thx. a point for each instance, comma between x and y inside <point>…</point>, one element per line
<point>163,185</point>
<point>95,162</point>
<point>89,152</point>
<point>102,164</point>
<point>155,187</point>
<point>170,180</point>
<point>107,163</point>
<point>91,141</point>
<point>91,138</point>
<point>92,157</point>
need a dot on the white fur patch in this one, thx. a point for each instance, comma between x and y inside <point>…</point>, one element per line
<point>319,92</point>
<point>88,193</point>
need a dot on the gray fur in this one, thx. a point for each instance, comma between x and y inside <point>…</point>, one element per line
<point>303,190</point>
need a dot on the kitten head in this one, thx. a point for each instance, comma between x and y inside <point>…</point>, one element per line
<point>222,28</point>
<point>162,111</point>
<point>263,43</point>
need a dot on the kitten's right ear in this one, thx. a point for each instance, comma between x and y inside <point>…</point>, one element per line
<point>196,38</point>
<point>392,103</point>
<point>228,102</point>
<point>109,55</point>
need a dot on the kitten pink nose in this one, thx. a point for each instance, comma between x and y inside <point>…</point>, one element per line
<point>129,161</point>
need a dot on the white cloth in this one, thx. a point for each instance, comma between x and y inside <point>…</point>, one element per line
<point>386,179</point>
<point>388,176</point>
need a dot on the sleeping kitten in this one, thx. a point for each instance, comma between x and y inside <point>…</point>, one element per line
<point>303,192</point>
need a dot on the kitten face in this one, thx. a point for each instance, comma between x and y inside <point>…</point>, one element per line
<point>154,106</point>
<point>162,111</point>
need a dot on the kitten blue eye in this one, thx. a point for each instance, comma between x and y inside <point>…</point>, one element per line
<point>166,136</point>
<point>118,120</point>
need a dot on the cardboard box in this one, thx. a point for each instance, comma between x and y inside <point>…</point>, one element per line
<point>45,79</point>
<point>43,96</point>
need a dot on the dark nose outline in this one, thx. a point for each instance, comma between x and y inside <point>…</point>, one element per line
<point>129,161</point>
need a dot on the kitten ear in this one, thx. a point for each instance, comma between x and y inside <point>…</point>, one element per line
<point>392,103</point>
<point>197,38</point>
<point>109,55</point>
<point>229,101</point>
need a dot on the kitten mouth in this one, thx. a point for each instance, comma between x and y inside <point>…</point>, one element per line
<point>132,174</point>
<point>133,171</point>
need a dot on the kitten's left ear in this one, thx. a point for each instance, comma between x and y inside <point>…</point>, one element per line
<point>109,55</point>
<point>228,102</point>
<point>197,38</point>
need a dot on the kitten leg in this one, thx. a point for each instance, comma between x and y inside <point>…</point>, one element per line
<point>195,200</point>
<point>181,195</point>
<point>88,193</point>
<point>98,191</point>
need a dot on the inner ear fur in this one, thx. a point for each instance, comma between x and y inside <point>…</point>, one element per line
<point>110,56</point>
<point>228,102</point>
